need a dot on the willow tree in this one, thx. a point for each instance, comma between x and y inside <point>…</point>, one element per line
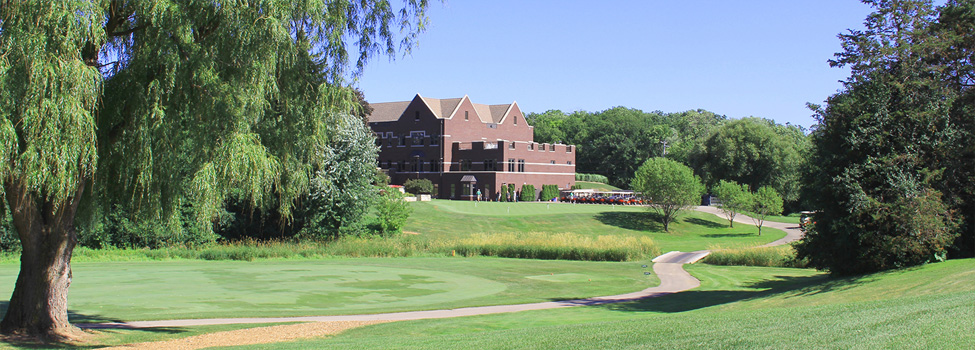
<point>168,105</point>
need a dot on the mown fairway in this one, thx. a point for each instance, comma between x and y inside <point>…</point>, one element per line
<point>129,291</point>
<point>931,307</point>
<point>442,219</point>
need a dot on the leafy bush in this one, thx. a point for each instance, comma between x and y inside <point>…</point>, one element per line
<point>391,212</point>
<point>527,193</point>
<point>549,192</point>
<point>592,178</point>
<point>418,186</point>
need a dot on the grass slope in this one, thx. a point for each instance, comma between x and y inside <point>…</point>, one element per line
<point>442,219</point>
<point>930,307</point>
<point>598,186</point>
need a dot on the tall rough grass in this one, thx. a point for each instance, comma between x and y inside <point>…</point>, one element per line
<point>565,246</point>
<point>532,245</point>
<point>783,256</point>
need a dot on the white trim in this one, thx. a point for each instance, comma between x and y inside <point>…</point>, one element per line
<point>458,107</point>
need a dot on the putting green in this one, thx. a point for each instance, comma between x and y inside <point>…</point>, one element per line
<point>160,290</point>
<point>133,291</point>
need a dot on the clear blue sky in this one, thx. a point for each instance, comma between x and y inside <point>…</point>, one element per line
<point>737,58</point>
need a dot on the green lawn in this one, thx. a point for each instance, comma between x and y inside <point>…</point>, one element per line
<point>930,307</point>
<point>131,291</point>
<point>443,219</point>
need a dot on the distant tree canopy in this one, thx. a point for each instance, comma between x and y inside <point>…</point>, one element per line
<point>751,151</point>
<point>754,152</point>
<point>616,141</point>
<point>892,172</point>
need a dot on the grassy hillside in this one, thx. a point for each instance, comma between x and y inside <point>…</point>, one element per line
<point>596,186</point>
<point>451,220</point>
<point>930,307</point>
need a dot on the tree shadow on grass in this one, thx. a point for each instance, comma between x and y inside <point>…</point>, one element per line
<point>728,235</point>
<point>694,299</point>
<point>75,318</point>
<point>702,222</point>
<point>632,220</point>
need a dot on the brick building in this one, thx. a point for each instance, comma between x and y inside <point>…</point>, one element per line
<point>463,147</point>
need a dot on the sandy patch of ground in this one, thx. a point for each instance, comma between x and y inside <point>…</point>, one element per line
<point>261,335</point>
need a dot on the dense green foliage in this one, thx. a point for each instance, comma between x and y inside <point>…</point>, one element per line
<point>527,193</point>
<point>391,212</point>
<point>671,186</point>
<point>418,186</point>
<point>733,199</point>
<point>592,178</point>
<point>549,192</point>
<point>754,152</point>
<point>158,113</point>
<point>615,142</point>
<point>892,162</point>
<point>764,202</point>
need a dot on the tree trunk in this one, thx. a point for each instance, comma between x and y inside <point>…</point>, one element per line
<point>39,304</point>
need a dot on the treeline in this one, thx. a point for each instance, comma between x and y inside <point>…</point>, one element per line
<point>615,142</point>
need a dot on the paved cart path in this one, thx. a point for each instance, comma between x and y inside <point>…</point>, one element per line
<point>668,267</point>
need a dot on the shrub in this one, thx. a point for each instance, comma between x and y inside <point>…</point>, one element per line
<point>527,193</point>
<point>391,212</point>
<point>418,186</point>
<point>549,192</point>
<point>592,178</point>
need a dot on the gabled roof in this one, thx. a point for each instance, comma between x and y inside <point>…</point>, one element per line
<point>387,111</point>
<point>441,108</point>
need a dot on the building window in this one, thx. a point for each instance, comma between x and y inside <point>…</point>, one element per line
<point>568,162</point>
<point>417,166</point>
<point>531,146</point>
<point>511,165</point>
<point>435,140</point>
<point>465,165</point>
<point>521,165</point>
<point>541,147</point>
<point>512,145</point>
<point>453,190</point>
<point>417,138</point>
<point>379,142</point>
<point>401,166</point>
<point>553,162</point>
<point>516,120</point>
<point>490,165</point>
<point>467,115</point>
<point>568,149</point>
<point>416,117</point>
<point>402,140</point>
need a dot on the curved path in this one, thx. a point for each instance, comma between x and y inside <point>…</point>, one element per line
<point>668,267</point>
